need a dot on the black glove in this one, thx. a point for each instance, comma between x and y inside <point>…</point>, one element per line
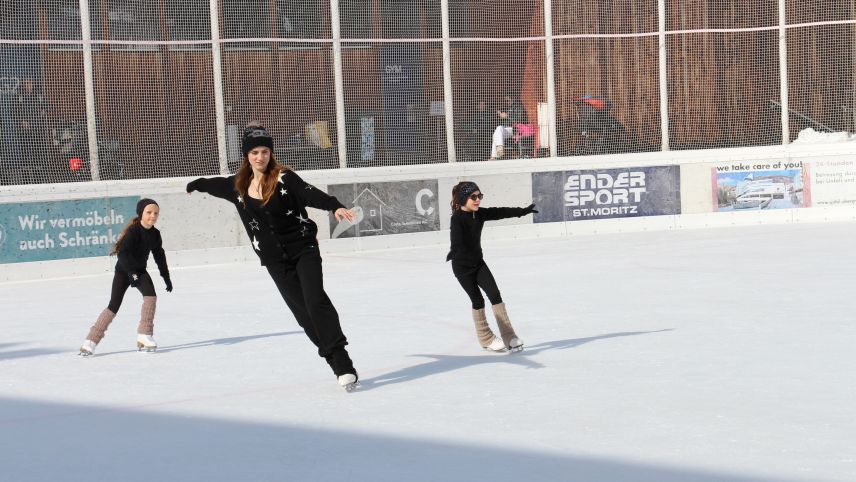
<point>193,185</point>
<point>135,280</point>
<point>168,283</point>
<point>529,209</point>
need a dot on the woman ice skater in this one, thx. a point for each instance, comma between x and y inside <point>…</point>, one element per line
<point>271,200</point>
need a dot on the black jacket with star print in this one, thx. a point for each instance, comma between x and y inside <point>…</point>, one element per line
<point>282,228</point>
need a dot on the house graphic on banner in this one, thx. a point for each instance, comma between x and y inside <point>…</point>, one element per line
<point>373,208</point>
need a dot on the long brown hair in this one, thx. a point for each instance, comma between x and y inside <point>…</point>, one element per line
<point>115,249</point>
<point>269,180</point>
<point>455,189</point>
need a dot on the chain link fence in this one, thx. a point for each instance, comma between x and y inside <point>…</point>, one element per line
<point>135,89</point>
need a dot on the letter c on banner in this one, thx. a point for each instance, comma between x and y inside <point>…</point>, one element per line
<point>419,206</point>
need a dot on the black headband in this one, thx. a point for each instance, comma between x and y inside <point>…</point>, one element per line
<point>142,203</point>
<point>464,190</point>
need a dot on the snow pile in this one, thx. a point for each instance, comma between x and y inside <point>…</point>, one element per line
<point>811,136</point>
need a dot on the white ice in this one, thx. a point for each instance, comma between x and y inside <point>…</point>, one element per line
<point>694,355</point>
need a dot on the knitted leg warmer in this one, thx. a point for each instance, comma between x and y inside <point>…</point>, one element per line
<point>147,316</point>
<point>506,331</point>
<point>483,331</point>
<point>96,333</point>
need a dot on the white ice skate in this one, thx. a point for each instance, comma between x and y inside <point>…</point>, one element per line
<point>349,382</point>
<point>87,348</point>
<point>496,345</point>
<point>515,344</point>
<point>146,343</point>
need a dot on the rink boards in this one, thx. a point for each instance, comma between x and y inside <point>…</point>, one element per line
<point>58,230</point>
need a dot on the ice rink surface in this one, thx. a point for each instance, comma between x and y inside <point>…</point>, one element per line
<point>696,355</point>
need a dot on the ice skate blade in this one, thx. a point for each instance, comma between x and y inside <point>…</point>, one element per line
<point>148,349</point>
<point>496,345</point>
<point>349,381</point>
<point>494,350</point>
<point>87,348</point>
<point>515,349</point>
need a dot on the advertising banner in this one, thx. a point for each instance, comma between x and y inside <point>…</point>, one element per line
<point>51,230</point>
<point>758,185</point>
<point>606,193</point>
<point>389,207</point>
<point>832,182</point>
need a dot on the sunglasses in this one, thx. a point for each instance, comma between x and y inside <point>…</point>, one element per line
<point>476,197</point>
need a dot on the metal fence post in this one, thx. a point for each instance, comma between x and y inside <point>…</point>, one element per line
<point>89,90</point>
<point>663,77</point>
<point>339,83</point>
<point>217,70</point>
<point>553,137</point>
<point>448,104</point>
<point>783,73</point>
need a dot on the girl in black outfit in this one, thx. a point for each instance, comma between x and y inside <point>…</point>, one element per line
<point>137,240</point>
<point>271,200</point>
<point>469,267</point>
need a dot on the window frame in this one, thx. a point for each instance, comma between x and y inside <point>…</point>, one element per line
<point>155,18</point>
<point>239,5</point>
<point>74,44</point>
<point>169,5</point>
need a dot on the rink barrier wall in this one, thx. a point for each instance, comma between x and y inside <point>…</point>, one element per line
<point>408,206</point>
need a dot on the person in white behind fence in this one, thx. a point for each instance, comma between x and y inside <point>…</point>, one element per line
<point>510,115</point>
<point>469,267</point>
<point>135,242</point>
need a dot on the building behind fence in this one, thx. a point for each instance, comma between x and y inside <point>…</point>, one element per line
<point>138,89</point>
